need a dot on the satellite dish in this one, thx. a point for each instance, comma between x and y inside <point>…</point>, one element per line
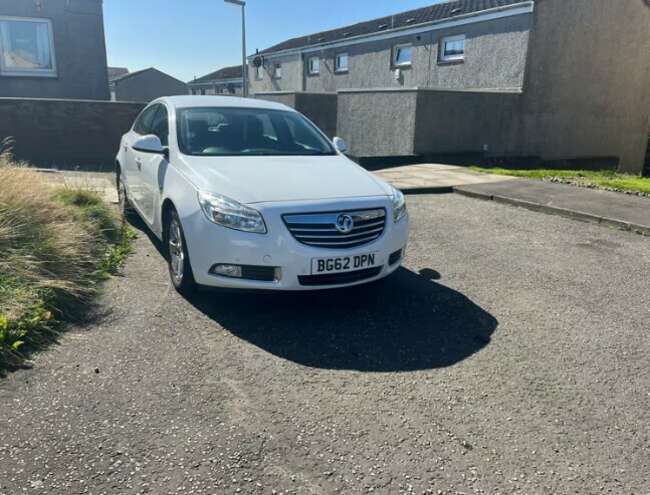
<point>258,61</point>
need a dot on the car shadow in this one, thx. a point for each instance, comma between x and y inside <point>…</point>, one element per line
<point>406,322</point>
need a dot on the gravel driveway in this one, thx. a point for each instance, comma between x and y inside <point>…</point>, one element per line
<point>510,355</point>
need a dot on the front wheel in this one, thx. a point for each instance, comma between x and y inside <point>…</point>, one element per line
<point>124,205</point>
<point>178,260</point>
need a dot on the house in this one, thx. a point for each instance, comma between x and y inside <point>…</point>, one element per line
<point>549,79</point>
<point>53,49</point>
<point>225,81</point>
<point>145,85</point>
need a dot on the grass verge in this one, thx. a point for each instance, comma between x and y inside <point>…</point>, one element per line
<point>56,246</point>
<point>603,179</point>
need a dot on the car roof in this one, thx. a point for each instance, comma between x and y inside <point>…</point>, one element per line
<point>191,101</point>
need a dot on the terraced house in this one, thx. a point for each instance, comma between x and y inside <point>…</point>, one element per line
<point>552,79</point>
<point>53,49</point>
<point>225,81</point>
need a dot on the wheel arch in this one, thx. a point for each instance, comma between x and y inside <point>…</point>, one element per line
<point>165,210</point>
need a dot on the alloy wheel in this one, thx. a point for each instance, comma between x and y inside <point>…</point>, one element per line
<point>176,251</point>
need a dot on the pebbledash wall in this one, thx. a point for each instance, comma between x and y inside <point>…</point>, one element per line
<point>78,50</point>
<point>566,83</point>
<point>320,108</point>
<point>66,133</point>
<point>495,58</point>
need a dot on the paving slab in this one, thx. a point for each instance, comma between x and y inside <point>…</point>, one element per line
<point>609,208</point>
<point>434,177</point>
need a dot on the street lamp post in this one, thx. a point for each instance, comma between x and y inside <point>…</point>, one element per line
<point>244,68</point>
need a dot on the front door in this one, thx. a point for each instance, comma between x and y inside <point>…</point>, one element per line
<point>135,159</point>
<point>149,165</point>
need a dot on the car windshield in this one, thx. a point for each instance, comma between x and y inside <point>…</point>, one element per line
<point>218,131</point>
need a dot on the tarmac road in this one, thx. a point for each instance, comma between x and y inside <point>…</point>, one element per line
<point>509,355</point>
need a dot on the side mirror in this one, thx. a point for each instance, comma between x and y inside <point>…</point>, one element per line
<point>150,144</point>
<point>340,144</point>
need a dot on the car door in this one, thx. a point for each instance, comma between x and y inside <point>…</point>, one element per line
<point>134,159</point>
<point>150,164</point>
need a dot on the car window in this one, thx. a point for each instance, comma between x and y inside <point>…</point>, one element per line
<point>213,131</point>
<point>143,123</point>
<point>160,125</point>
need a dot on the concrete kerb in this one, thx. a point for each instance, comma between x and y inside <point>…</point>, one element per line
<point>426,190</point>
<point>554,210</point>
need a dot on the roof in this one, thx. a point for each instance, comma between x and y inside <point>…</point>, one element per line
<point>138,72</point>
<point>410,18</point>
<point>186,101</point>
<point>114,72</point>
<point>232,72</point>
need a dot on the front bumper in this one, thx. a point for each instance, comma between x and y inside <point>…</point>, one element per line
<point>210,244</point>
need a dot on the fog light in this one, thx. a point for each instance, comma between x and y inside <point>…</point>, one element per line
<point>233,271</point>
<point>395,257</point>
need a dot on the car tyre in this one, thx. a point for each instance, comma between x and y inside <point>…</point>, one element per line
<point>124,205</point>
<point>178,260</point>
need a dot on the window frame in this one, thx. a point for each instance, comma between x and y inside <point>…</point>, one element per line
<point>398,47</point>
<point>337,67</point>
<point>12,72</point>
<point>156,118</point>
<point>140,119</point>
<point>310,70</point>
<point>277,70</point>
<point>442,58</point>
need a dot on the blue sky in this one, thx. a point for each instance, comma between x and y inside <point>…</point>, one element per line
<point>188,38</point>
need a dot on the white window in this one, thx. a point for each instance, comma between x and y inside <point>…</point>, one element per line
<point>341,64</point>
<point>259,72</point>
<point>277,71</point>
<point>452,48</point>
<point>26,47</point>
<point>314,66</point>
<point>402,55</point>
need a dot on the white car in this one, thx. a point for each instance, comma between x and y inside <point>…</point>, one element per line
<point>249,194</point>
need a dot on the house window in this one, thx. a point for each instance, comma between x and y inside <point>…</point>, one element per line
<point>341,63</point>
<point>314,66</point>
<point>26,47</point>
<point>402,55</point>
<point>259,72</point>
<point>277,71</point>
<point>452,48</point>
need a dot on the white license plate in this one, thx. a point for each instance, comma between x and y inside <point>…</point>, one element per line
<point>342,264</point>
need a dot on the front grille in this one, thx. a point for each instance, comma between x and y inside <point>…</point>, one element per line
<point>320,229</point>
<point>339,278</point>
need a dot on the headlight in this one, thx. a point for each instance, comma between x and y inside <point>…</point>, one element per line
<point>229,213</point>
<point>399,205</point>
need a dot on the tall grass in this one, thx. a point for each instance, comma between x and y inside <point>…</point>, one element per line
<point>56,245</point>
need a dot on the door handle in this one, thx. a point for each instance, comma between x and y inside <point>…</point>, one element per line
<point>139,164</point>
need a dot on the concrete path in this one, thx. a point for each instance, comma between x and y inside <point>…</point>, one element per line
<point>431,177</point>
<point>100,182</point>
<point>614,209</point>
<point>608,208</point>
